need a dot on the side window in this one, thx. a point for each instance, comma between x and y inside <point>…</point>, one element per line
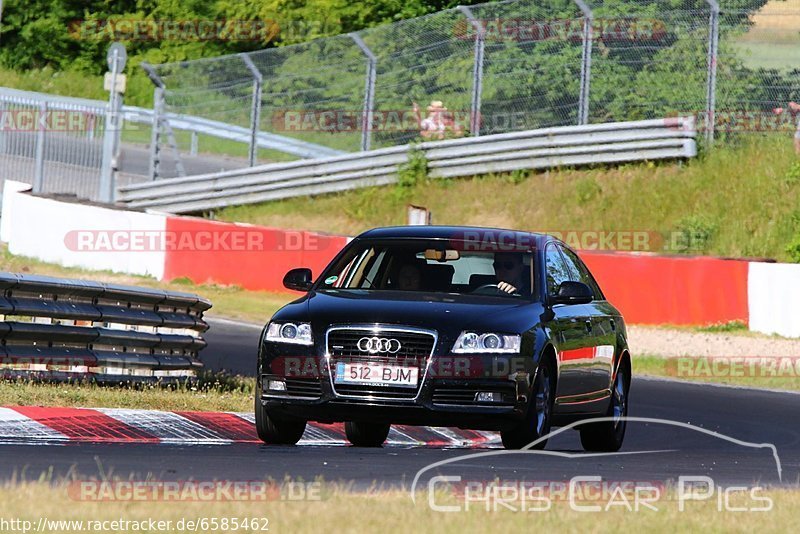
<point>556,270</point>
<point>582,272</point>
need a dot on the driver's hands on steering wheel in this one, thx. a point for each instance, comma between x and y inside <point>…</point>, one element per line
<point>506,287</point>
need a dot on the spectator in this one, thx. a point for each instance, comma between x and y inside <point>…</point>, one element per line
<point>439,122</point>
<point>794,109</point>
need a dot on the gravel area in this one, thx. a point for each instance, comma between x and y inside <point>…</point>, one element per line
<point>671,342</point>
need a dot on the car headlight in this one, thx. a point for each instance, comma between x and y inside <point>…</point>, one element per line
<point>299,333</point>
<point>473,342</point>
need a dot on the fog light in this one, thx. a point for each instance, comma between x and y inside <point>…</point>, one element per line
<point>276,385</point>
<point>488,396</point>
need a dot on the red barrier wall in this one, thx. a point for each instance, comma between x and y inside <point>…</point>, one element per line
<point>646,289</point>
<point>672,290</point>
<point>252,257</point>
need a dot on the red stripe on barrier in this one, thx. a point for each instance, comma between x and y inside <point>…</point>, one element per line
<point>584,353</point>
<point>672,290</point>
<point>227,425</point>
<point>252,257</point>
<point>82,424</point>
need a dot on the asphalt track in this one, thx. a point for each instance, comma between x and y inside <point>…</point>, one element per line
<point>653,451</point>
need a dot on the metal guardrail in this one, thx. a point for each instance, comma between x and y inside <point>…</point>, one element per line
<point>77,329</point>
<point>533,149</point>
<point>66,158</point>
<point>232,132</point>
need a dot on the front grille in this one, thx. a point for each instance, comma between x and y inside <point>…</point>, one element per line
<point>465,396</point>
<point>416,348</point>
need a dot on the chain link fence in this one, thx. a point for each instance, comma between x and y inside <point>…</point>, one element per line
<point>54,146</point>
<point>505,66</point>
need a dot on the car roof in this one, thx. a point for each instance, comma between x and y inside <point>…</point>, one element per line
<point>454,232</point>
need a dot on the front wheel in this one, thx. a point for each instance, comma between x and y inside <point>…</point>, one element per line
<point>607,436</point>
<point>276,431</point>
<point>366,434</point>
<point>538,419</point>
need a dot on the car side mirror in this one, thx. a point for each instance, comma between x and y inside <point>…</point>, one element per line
<point>298,279</point>
<point>573,293</point>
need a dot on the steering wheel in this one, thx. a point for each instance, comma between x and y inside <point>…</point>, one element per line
<point>491,289</point>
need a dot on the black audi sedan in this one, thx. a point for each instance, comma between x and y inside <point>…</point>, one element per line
<point>477,328</point>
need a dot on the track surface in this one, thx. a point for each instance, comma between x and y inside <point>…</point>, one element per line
<point>652,451</point>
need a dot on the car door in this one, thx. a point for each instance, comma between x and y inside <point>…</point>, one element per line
<point>602,326</point>
<point>570,332</point>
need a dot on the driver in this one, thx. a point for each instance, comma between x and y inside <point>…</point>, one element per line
<point>512,275</point>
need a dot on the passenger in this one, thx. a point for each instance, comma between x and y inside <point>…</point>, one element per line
<point>409,277</point>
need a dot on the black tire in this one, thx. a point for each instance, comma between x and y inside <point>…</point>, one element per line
<point>275,431</point>
<point>366,434</point>
<point>540,412</point>
<point>607,436</point>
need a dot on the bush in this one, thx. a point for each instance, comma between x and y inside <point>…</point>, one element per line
<point>697,234</point>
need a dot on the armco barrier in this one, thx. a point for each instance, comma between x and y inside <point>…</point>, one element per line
<point>533,149</point>
<point>79,329</point>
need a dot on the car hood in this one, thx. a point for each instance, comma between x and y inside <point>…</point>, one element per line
<point>443,312</point>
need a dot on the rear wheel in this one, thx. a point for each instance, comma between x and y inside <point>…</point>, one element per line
<point>540,412</point>
<point>366,434</point>
<point>277,431</point>
<point>607,436</point>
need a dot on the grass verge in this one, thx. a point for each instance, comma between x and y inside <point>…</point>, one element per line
<point>738,200</point>
<point>211,393</point>
<point>749,372</point>
<point>387,511</point>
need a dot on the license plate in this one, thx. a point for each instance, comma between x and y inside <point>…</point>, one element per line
<point>376,374</point>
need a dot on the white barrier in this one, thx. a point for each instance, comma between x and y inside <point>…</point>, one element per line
<point>773,291</point>
<point>49,230</point>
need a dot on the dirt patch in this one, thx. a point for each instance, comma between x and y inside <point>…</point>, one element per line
<point>669,342</point>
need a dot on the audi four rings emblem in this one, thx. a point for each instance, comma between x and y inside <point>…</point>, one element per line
<point>376,345</point>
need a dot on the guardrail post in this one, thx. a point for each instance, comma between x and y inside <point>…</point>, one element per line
<point>38,169</point>
<point>193,146</point>
<point>369,91</point>
<point>255,107</point>
<point>107,189</point>
<point>155,134</point>
<point>158,110</point>
<point>586,63</point>
<point>711,85</point>
<point>477,71</point>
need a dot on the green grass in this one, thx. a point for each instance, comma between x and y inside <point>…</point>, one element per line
<point>730,326</point>
<point>780,56</point>
<point>736,372</point>
<point>380,510</point>
<point>742,196</point>
<point>213,392</point>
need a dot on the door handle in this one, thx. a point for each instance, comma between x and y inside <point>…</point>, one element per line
<point>613,325</point>
<point>588,324</point>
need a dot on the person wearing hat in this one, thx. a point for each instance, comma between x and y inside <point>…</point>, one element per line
<point>433,126</point>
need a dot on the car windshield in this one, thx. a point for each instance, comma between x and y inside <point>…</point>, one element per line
<point>430,266</point>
